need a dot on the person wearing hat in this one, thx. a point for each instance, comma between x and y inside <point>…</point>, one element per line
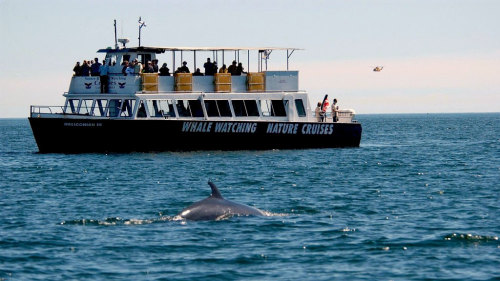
<point>137,67</point>
<point>164,71</point>
<point>184,68</point>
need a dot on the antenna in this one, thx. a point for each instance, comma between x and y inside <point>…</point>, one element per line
<point>141,25</point>
<point>116,41</point>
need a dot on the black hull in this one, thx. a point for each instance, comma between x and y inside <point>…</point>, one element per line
<point>61,135</point>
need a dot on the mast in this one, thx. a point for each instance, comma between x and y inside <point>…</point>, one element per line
<point>141,25</point>
<point>116,40</point>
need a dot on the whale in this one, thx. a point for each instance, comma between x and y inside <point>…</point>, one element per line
<point>215,207</point>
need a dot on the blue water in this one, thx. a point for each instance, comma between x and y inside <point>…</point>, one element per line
<point>419,200</point>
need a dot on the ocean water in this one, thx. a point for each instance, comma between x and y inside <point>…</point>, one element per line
<point>419,200</point>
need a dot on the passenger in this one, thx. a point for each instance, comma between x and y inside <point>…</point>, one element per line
<point>239,69</point>
<point>130,71</point>
<point>164,71</point>
<point>178,70</point>
<point>197,72</point>
<point>232,68</point>
<point>215,67</point>
<point>335,110</point>
<point>326,103</point>
<point>137,67</point>
<point>85,68</point>
<point>223,69</point>
<point>184,68</point>
<point>124,68</point>
<point>103,71</point>
<point>149,68</point>
<point>209,68</point>
<point>94,68</point>
<point>155,66</point>
<point>77,69</point>
<point>317,112</point>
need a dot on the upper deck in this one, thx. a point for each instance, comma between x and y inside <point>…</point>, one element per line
<point>118,81</point>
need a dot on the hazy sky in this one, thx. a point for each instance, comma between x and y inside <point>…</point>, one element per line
<point>438,56</point>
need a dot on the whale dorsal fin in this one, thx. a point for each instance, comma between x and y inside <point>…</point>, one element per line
<point>215,191</point>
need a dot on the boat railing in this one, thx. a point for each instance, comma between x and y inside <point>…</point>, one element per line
<point>46,109</point>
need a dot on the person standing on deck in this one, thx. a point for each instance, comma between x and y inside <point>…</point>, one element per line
<point>103,72</point>
<point>94,68</point>
<point>326,103</point>
<point>317,112</point>
<point>335,110</point>
<point>209,67</point>
<point>184,68</point>
<point>77,69</point>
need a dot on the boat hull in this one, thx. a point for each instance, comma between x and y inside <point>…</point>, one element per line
<point>63,135</point>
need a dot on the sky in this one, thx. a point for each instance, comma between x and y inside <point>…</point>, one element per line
<point>438,56</point>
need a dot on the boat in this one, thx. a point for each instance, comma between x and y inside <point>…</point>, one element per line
<point>149,112</point>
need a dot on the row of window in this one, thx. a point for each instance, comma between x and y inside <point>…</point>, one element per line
<point>185,108</point>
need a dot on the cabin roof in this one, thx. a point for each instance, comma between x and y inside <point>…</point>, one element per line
<point>160,50</point>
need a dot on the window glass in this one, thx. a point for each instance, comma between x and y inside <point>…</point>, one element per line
<point>144,58</point>
<point>183,108</point>
<point>251,106</point>
<point>127,108</point>
<point>86,107</point>
<point>189,108</point>
<point>195,106</point>
<point>278,108</point>
<point>299,104</point>
<point>100,107</point>
<point>141,112</point>
<point>211,107</point>
<point>239,108</point>
<point>114,108</point>
<point>161,108</point>
<point>224,109</point>
<point>72,106</point>
<point>265,106</point>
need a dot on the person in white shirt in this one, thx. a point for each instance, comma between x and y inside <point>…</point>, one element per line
<point>335,110</point>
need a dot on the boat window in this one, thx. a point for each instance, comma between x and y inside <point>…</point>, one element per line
<point>189,108</point>
<point>245,108</point>
<point>141,112</point>
<point>126,58</point>
<point>114,108</point>
<point>100,107</point>
<point>72,106</point>
<point>252,109</point>
<point>273,108</point>
<point>111,58</point>
<point>126,108</point>
<point>217,108</point>
<point>144,58</point>
<point>161,108</point>
<point>299,104</point>
<point>86,107</point>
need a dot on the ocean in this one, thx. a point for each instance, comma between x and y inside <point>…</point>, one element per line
<point>418,200</point>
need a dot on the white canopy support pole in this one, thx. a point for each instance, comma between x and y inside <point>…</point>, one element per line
<point>173,61</point>
<point>194,55</point>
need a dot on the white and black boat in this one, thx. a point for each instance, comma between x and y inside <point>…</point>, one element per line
<point>149,112</point>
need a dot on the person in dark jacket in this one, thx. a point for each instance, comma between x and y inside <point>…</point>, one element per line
<point>184,68</point>
<point>232,68</point>
<point>85,68</point>
<point>164,71</point>
<point>209,67</point>
<point>77,69</point>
